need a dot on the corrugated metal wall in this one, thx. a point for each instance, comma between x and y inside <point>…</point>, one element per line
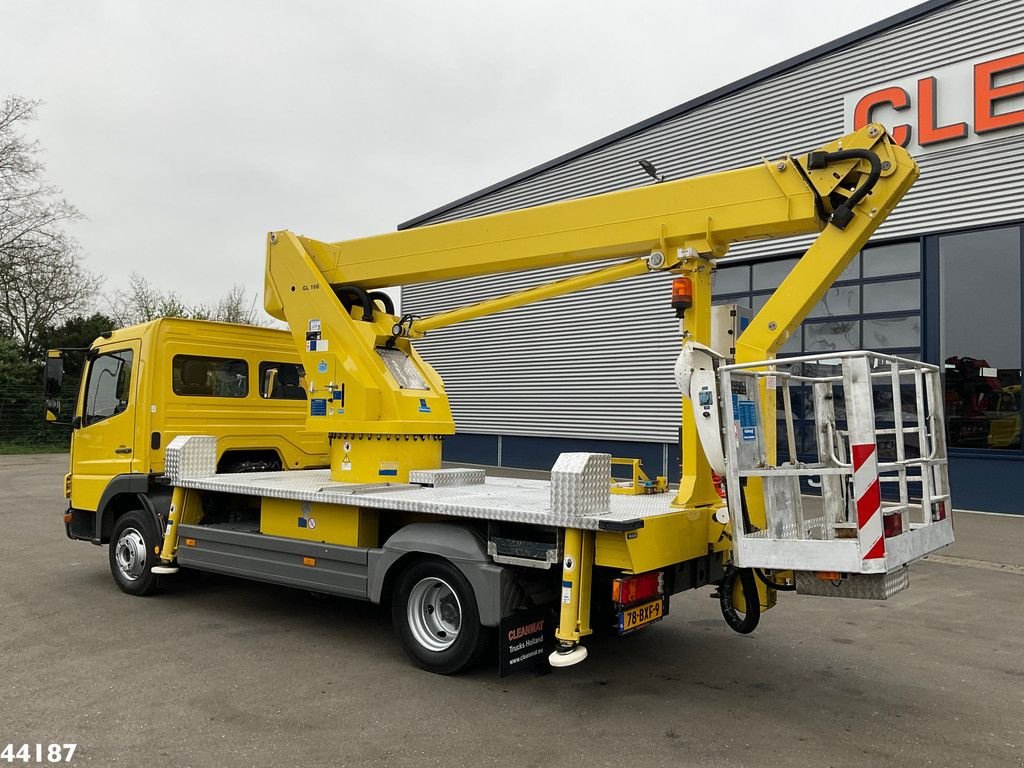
<point>598,364</point>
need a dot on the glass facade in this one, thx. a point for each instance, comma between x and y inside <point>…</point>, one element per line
<point>979,297</point>
<point>970,293</point>
<point>875,304</point>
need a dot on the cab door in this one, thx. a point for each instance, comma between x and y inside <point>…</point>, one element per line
<point>103,443</point>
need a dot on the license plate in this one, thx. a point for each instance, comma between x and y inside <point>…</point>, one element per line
<point>640,615</point>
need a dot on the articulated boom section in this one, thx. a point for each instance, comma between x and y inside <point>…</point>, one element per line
<point>385,408</point>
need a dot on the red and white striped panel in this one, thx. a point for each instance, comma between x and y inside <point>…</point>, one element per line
<point>869,501</point>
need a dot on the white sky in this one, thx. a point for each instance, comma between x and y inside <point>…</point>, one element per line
<point>186,130</point>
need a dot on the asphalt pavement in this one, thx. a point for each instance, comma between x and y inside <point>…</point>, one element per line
<point>222,672</point>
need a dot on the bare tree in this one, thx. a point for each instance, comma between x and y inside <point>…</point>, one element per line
<point>42,282</point>
<point>42,277</point>
<point>142,302</point>
<point>236,306</point>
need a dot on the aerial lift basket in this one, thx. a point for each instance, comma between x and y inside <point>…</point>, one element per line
<point>857,487</point>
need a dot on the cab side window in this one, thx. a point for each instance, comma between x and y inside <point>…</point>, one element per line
<point>109,389</point>
<point>282,381</point>
<point>193,375</point>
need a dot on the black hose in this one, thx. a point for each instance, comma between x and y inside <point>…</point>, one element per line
<point>819,204</point>
<point>746,623</point>
<point>842,215</point>
<point>747,525</point>
<point>769,583</point>
<point>345,292</point>
<point>383,298</point>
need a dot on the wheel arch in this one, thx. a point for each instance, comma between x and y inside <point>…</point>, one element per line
<point>125,493</point>
<point>269,456</point>
<point>459,545</point>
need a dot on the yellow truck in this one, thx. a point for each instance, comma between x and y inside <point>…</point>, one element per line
<point>234,487</point>
<point>149,383</point>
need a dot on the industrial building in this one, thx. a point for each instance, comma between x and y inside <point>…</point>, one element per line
<point>941,280</point>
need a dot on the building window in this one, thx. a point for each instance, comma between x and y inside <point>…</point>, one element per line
<point>282,381</point>
<point>875,304</point>
<point>195,376</point>
<point>980,336</point>
<point>892,259</point>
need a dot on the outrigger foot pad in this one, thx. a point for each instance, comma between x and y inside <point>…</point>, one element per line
<point>163,570</point>
<point>566,657</point>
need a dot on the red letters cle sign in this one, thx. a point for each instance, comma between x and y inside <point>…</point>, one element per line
<point>958,104</point>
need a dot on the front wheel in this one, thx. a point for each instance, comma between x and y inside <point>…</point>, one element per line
<point>133,544</point>
<point>436,618</point>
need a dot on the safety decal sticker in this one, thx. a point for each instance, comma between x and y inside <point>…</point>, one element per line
<point>746,412</point>
<point>306,520</point>
<point>388,469</point>
<point>314,325</point>
<point>566,592</point>
<point>318,407</point>
<point>321,367</point>
<point>569,563</point>
<point>424,408</point>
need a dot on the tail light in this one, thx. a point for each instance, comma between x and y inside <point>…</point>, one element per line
<point>892,524</point>
<point>940,512</point>
<point>636,589</point>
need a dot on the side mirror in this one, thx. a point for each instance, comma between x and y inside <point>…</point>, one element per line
<point>53,377</point>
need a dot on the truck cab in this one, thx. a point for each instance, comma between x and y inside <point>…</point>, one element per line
<point>144,385</point>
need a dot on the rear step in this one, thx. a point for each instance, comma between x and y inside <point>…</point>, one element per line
<point>866,586</point>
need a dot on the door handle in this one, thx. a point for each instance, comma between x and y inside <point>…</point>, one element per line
<point>123,449</point>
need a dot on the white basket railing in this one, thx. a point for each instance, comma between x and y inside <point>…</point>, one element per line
<point>849,527</point>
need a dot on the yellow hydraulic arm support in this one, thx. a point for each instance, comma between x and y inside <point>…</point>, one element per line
<point>385,408</point>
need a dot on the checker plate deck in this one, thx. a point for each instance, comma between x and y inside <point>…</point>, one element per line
<point>498,498</point>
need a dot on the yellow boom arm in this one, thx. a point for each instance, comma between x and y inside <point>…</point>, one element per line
<point>385,408</point>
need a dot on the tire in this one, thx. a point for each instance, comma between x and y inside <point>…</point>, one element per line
<point>740,579</point>
<point>436,618</point>
<point>131,553</point>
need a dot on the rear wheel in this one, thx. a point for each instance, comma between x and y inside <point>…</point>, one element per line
<point>436,618</point>
<point>133,544</point>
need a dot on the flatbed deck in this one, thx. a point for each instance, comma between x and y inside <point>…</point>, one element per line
<point>503,499</point>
